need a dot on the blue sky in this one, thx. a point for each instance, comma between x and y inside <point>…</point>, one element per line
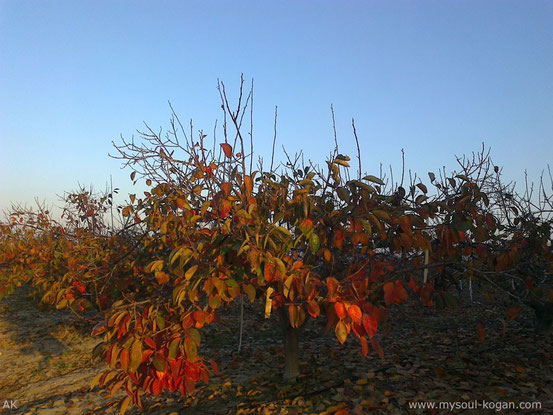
<point>436,78</point>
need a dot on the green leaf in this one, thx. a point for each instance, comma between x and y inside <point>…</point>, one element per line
<point>343,194</point>
<point>420,199</point>
<point>173,348</point>
<point>160,321</point>
<point>422,187</point>
<point>373,179</point>
<point>191,349</point>
<point>450,301</point>
<point>314,243</point>
<point>159,362</point>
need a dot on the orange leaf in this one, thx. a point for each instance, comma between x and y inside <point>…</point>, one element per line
<point>340,310</point>
<point>370,324</point>
<point>124,358</point>
<point>249,185</point>
<point>227,149</point>
<point>226,188</point>
<point>162,277</point>
<point>293,315</point>
<point>306,225</point>
<point>355,313</point>
<point>224,209</point>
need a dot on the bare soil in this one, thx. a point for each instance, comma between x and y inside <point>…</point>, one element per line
<point>430,356</point>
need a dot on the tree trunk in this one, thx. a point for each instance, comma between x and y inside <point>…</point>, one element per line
<point>291,338</point>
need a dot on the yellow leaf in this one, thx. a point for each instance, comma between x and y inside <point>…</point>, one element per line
<point>191,271</point>
<point>136,355</point>
<point>268,302</point>
<point>125,405</point>
<point>288,285</point>
<point>341,162</point>
<point>154,266</point>
<point>96,380</point>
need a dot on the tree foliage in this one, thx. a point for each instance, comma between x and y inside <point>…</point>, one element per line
<point>308,241</point>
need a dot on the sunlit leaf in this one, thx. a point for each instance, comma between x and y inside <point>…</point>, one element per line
<point>227,149</point>
<point>313,308</point>
<point>191,271</point>
<point>355,313</point>
<point>340,310</point>
<point>341,331</point>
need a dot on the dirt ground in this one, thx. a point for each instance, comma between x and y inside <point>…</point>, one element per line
<point>430,357</point>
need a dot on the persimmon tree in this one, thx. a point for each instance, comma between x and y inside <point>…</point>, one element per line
<point>308,242</point>
<point>305,241</point>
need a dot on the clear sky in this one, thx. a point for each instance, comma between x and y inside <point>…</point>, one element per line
<point>436,78</point>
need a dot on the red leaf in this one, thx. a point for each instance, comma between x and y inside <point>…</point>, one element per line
<point>378,348</point>
<point>389,295</point>
<point>157,387</point>
<point>481,332</point>
<point>146,354</point>
<point>227,149</point>
<point>340,310</point>
<point>413,286</point>
<point>214,366</point>
<point>313,308</point>
<point>512,312</point>
<point>150,342</point>
<point>364,346</point>
<point>355,313</point>
<point>370,324</point>
<point>192,372</point>
<point>332,284</point>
